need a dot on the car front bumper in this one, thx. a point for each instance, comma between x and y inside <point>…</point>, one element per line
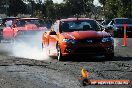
<point>94,49</point>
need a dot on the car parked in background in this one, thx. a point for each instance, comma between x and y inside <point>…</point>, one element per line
<point>29,27</point>
<point>24,28</point>
<point>116,25</point>
<point>77,36</point>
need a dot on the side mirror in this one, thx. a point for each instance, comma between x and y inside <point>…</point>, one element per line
<point>52,33</point>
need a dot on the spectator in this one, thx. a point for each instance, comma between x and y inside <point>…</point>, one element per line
<point>8,23</point>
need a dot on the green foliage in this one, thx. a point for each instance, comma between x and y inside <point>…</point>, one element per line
<point>70,8</point>
<point>49,9</point>
<point>79,6</point>
<point>116,8</point>
<point>15,7</point>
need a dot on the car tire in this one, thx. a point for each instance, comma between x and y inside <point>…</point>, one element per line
<point>109,56</point>
<point>59,54</point>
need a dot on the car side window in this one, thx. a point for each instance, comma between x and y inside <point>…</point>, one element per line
<point>56,27</point>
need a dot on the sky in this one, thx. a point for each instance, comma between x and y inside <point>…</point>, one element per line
<point>96,2</point>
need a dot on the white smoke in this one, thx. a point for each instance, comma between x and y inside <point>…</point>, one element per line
<point>30,48</point>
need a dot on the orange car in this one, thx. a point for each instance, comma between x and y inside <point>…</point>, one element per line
<point>77,36</point>
<point>8,30</point>
<point>24,27</point>
<point>29,27</point>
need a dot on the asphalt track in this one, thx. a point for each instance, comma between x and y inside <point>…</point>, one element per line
<point>30,73</point>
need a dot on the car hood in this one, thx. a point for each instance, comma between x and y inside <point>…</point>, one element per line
<point>85,34</point>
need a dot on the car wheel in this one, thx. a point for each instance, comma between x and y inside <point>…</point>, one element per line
<point>109,56</point>
<point>59,54</point>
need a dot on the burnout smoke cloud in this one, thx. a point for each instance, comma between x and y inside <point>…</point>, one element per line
<point>30,48</point>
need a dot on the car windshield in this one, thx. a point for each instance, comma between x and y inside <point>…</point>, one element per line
<point>80,25</point>
<point>122,21</point>
<point>37,22</point>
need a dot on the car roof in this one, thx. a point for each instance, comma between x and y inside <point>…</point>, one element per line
<point>74,19</point>
<point>120,18</point>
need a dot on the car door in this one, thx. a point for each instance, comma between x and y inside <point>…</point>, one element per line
<point>53,40</point>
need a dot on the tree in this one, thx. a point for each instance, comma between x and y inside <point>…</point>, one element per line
<point>116,8</point>
<point>49,8</point>
<point>79,6</point>
<point>16,7</point>
<point>3,6</point>
<point>103,2</point>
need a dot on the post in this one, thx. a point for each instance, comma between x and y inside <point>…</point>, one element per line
<point>125,35</point>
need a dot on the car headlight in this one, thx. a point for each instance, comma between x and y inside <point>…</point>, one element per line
<point>69,40</point>
<point>107,39</point>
